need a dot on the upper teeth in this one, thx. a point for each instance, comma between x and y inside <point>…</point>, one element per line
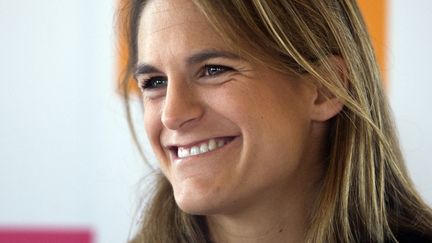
<point>204,147</point>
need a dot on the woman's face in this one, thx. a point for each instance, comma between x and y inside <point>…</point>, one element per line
<point>227,133</point>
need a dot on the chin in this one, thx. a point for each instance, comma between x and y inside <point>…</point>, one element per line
<point>194,202</point>
<point>195,207</point>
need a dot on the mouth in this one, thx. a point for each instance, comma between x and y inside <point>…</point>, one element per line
<point>203,147</point>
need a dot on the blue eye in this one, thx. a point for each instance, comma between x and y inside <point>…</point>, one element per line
<point>154,83</point>
<point>213,70</point>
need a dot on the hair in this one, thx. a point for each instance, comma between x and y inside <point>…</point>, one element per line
<point>366,193</point>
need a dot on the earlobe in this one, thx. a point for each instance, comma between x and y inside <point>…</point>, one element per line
<point>327,104</point>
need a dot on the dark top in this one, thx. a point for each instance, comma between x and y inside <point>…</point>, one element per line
<point>413,237</point>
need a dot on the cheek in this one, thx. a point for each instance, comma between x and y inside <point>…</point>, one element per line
<point>236,102</point>
<point>153,126</point>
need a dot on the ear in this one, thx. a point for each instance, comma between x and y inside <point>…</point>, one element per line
<point>326,105</point>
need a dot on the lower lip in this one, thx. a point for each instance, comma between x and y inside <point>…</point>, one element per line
<point>202,156</point>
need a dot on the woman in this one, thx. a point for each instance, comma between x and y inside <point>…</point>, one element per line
<point>269,124</point>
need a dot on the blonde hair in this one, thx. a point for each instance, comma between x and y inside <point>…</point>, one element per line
<point>366,194</point>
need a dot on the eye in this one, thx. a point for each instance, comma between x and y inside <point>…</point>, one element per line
<point>153,83</point>
<point>213,70</point>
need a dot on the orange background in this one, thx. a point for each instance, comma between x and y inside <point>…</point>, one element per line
<point>375,13</point>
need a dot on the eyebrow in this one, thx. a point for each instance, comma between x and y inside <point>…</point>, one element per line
<point>199,57</point>
<point>209,54</point>
<point>144,69</point>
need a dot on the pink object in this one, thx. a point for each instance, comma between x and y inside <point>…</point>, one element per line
<point>36,235</point>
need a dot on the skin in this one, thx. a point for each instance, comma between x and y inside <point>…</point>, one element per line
<point>261,185</point>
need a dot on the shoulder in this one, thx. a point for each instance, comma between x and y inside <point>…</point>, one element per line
<point>413,237</point>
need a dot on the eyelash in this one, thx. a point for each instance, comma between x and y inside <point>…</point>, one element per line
<point>220,69</point>
<point>152,83</point>
<point>160,81</point>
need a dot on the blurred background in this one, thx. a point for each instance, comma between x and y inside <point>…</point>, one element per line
<point>67,163</point>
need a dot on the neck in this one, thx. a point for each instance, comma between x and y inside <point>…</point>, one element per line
<point>272,219</point>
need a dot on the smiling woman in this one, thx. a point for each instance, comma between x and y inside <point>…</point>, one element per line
<point>269,124</point>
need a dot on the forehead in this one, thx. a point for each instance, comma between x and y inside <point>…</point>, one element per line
<point>160,13</point>
<point>176,27</point>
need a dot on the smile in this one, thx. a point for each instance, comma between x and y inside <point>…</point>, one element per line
<point>202,147</point>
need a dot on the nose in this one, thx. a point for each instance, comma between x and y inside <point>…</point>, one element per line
<point>182,107</point>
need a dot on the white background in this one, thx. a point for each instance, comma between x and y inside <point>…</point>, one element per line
<point>66,158</point>
<point>410,66</point>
